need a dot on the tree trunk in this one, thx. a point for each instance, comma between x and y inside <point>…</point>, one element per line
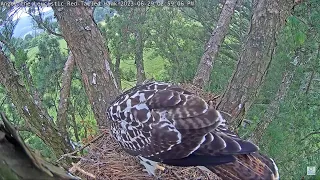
<point>17,162</point>
<point>205,66</point>
<point>141,76</point>
<point>43,127</point>
<point>273,107</point>
<point>117,70</point>
<point>62,114</point>
<point>74,124</point>
<point>252,67</point>
<point>310,82</point>
<point>30,86</point>
<point>29,81</point>
<point>11,48</point>
<point>91,55</point>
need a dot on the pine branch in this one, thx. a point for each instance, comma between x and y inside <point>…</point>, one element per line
<point>42,25</point>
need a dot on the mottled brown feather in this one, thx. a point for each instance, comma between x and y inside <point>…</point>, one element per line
<point>252,166</point>
<point>163,122</point>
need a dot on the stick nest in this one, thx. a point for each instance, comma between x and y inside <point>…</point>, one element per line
<point>106,160</point>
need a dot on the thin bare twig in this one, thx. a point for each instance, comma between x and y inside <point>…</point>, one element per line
<point>78,150</point>
<point>3,100</point>
<point>41,24</point>
<point>77,168</point>
<point>174,173</point>
<point>204,173</point>
<point>310,134</point>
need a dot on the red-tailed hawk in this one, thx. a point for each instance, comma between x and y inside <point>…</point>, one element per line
<point>161,122</point>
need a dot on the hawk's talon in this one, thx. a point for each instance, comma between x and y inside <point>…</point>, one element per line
<point>150,166</point>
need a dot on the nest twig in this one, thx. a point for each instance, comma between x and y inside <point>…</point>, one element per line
<point>106,160</point>
<point>80,149</point>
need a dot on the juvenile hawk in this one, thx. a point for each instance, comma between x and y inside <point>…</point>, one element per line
<point>160,122</point>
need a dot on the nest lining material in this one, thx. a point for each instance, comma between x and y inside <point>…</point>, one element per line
<point>107,161</point>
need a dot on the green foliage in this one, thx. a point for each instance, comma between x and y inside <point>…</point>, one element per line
<point>286,139</point>
<point>128,75</point>
<point>48,65</point>
<point>176,42</point>
<point>20,58</point>
<point>36,144</point>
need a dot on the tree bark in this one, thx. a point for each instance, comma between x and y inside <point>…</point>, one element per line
<point>310,82</point>
<point>62,114</point>
<point>91,55</point>
<point>34,92</point>
<point>74,123</point>
<point>141,76</point>
<point>29,81</point>
<point>273,108</point>
<point>8,45</point>
<point>117,70</point>
<point>313,73</point>
<point>40,124</point>
<point>17,162</point>
<point>205,66</point>
<point>252,67</point>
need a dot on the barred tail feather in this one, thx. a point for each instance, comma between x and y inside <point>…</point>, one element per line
<point>252,166</point>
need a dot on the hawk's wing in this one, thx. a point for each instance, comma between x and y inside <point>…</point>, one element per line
<point>162,121</point>
<point>167,124</point>
<point>253,166</point>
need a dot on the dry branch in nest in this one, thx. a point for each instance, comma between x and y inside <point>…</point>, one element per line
<point>106,160</point>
